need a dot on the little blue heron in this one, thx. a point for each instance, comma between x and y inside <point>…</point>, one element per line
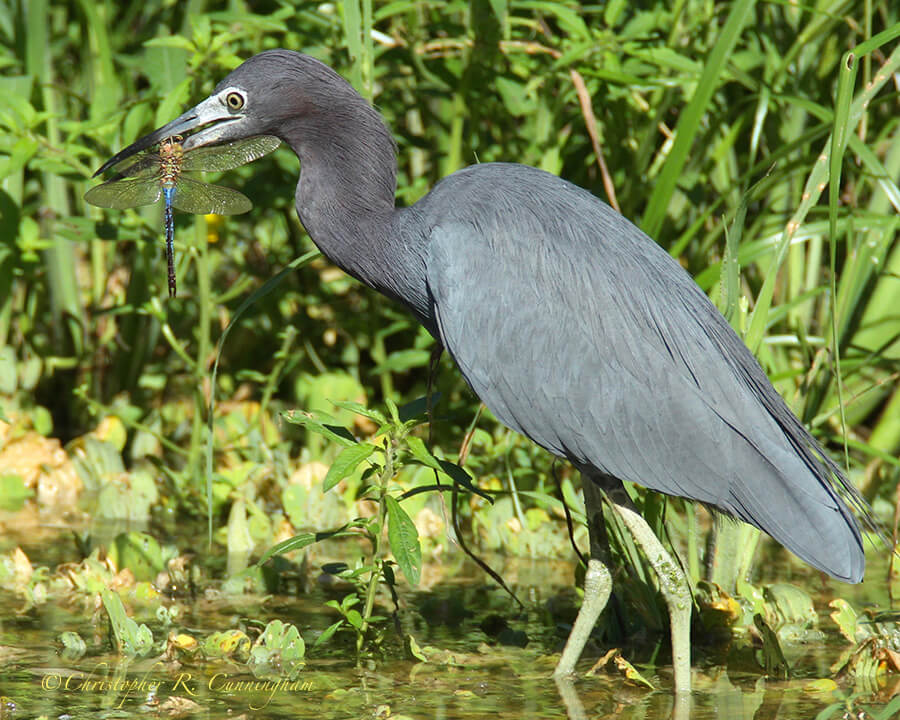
<point>571,325</point>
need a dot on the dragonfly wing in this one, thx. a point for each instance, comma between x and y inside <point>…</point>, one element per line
<point>202,198</point>
<point>145,165</point>
<point>217,158</point>
<point>122,194</point>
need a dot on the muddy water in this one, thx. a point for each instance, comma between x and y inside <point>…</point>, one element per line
<point>471,671</point>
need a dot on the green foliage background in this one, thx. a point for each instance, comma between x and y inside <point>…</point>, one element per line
<point>712,120</point>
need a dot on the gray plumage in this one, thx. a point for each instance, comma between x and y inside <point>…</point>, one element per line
<point>572,326</point>
<point>580,332</point>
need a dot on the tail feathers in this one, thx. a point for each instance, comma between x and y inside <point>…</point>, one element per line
<point>800,508</point>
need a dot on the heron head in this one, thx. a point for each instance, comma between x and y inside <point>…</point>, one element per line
<point>272,93</point>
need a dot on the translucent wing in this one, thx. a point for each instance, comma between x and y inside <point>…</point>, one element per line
<point>202,198</point>
<point>217,158</point>
<point>147,165</point>
<point>127,193</point>
<point>139,182</point>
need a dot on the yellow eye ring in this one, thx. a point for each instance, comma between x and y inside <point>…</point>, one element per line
<point>234,100</point>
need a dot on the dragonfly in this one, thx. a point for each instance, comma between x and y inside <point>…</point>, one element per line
<point>161,174</point>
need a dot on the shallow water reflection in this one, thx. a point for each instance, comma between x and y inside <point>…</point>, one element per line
<point>469,672</point>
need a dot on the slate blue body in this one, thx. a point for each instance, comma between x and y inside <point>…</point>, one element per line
<point>589,338</point>
<point>572,326</point>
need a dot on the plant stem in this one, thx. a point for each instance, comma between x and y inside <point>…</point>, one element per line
<point>377,561</point>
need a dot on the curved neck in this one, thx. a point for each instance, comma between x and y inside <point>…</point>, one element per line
<point>345,196</point>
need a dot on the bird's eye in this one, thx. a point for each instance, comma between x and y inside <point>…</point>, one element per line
<point>234,100</point>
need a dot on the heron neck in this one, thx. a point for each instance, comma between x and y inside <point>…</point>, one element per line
<point>345,200</point>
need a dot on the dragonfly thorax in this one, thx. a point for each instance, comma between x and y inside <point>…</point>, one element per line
<point>171,157</point>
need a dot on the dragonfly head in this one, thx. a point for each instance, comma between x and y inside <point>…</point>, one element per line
<point>224,116</point>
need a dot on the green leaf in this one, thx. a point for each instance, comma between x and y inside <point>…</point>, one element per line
<point>631,673</point>
<point>772,656</point>
<point>403,360</point>
<point>569,20</point>
<point>452,470</point>
<point>131,638</point>
<point>413,651</point>
<point>8,373</point>
<point>420,452</point>
<point>404,541</point>
<point>13,493</point>
<point>338,434</point>
<point>355,619</point>
<point>845,617</point>
<point>139,552</point>
<point>890,710</point>
<point>172,41</point>
<point>346,463</point>
<point>459,474</point>
<point>515,96</point>
<point>691,117</point>
<point>303,539</point>
<point>417,408</point>
<point>361,409</point>
<point>329,631</point>
<point>392,409</point>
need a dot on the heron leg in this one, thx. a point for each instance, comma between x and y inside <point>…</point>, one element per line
<point>674,588</point>
<point>597,581</point>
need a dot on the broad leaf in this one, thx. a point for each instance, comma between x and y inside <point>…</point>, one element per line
<point>346,463</point>
<point>404,541</point>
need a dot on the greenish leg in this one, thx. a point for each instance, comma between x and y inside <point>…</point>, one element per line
<point>597,586</point>
<point>675,590</point>
<point>597,582</point>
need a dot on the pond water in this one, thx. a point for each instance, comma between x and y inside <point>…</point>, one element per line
<point>467,631</point>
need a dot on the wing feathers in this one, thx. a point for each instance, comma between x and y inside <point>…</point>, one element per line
<point>581,333</point>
